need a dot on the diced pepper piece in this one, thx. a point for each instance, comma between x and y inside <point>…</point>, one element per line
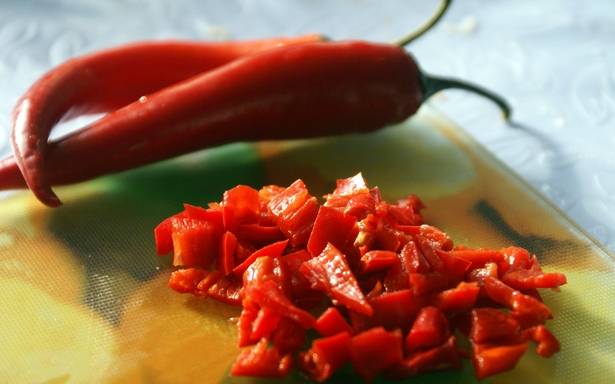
<point>298,227</point>
<point>490,360</point>
<point>490,325</point>
<point>264,324</point>
<point>162,237</point>
<point>391,239</point>
<point>423,284</point>
<point>479,257</point>
<point>547,343</point>
<point>351,185</point>
<point>186,280</point>
<point>226,258</point>
<point>227,289</point>
<point>267,268</point>
<point>194,242</point>
<point>248,314</point>
<point>326,356</point>
<point>515,300</point>
<point>514,258</point>
<point>444,356</point>
<point>374,351</point>
<point>526,279</point>
<point>454,266</point>
<point>240,205</point>
<point>289,336</point>
<point>268,294</point>
<point>261,361</point>
<point>213,216</point>
<point>272,250</point>
<point>330,226</point>
<point>300,288</point>
<point>461,298</point>
<point>332,322</point>
<point>378,260</point>
<point>479,274</point>
<point>360,205</point>
<point>259,234</point>
<point>411,260</point>
<point>395,309</point>
<point>202,288</point>
<point>407,211</point>
<point>295,211</point>
<point>329,272</point>
<point>429,330</point>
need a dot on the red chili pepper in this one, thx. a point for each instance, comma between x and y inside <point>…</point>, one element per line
<point>226,257</point>
<point>261,360</point>
<point>331,226</point>
<point>429,330</point>
<point>489,360</point>
<point>296,91</point>
<point>378,260</point>
<point>326,356</point>
<point>395,310</point>
<point>273,250</point>
<point>375,350</point>
<point>332,322</point>
<point>186,280</point>
<point>490,325</point>
<point>110,79</point>
<point>444,356</point>
<point>461,298</point>
<point>330,273</point>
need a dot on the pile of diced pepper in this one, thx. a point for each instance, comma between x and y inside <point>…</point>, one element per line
<point>358,281</point>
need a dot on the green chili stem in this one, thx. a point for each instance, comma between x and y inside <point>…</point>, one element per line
<point>433,20</point>
<point>434,84</point>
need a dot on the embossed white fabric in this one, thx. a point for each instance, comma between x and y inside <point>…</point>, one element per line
<point>553,59</point>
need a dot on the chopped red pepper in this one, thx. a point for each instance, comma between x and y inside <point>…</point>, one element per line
<point>331,226</point>
<point>264,324</point>
<point>461,298</point>
<point>525,279</point>
<point>444,356</point>
<point>326,356</point>
<point>332,322</point>
<point>289,336</point>
<point>186,280</point>
<point>378,260</point>
<point>163,237</point>
<point>260,360</point>
<point>226,259</point>
<point>330,273</point>
<point>272,250</point>
<point>240,205</point>
<point>489,360</point>
<point>259,234</point>
<point>547,343</point>
<point>374,351</point>
<point>429,330</point>
<point>227,289</point>
<point>490,325</point>
<point>194,242</point>
<point>395,310</point>
<point>268,294</point>
<point>397,280</point>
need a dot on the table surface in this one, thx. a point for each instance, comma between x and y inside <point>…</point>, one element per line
<point>554,60</point>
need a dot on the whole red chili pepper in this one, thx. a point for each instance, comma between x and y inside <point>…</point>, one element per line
<point>298,91</point>
<point>109,79</point>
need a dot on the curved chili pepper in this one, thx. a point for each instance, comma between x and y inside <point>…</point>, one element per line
<point>300,91</point>
<point>109,79</point>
